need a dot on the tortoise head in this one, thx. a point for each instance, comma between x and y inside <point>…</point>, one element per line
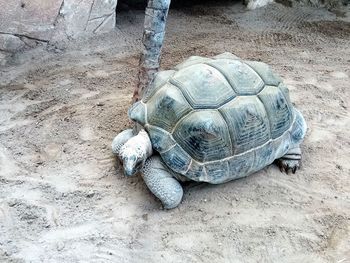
<point>137,113</point>
<point>135,152</point>
<point>132,163</point>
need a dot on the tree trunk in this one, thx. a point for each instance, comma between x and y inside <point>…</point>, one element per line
<point>153,36</point>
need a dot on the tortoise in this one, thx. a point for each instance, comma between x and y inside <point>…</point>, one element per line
<point>210,120</point>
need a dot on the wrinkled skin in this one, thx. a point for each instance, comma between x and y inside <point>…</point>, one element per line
<point>133,152</point>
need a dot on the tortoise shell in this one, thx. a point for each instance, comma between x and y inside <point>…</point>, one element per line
<point>217,119</point>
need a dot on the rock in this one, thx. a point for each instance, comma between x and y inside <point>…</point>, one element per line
<point>88,16</point>
<point>3,58</point>
<point>75,16</point>
<point>10,43</point>
<point>253,4</point>
<point>145,217</point>
<point>107,25</point>
<point>33,18</point>
<point>101,25</point>
<point>103,8</point>
<point>60,246</point>
<point>329,4</point>
<point>52,21</point>
<point>31,42</point>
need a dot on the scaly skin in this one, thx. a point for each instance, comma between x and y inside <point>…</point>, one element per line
<point>161,182</point>
<point>121,139</point>
<point>135,152</point>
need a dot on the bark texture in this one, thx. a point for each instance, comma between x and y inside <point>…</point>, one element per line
<point>153,37</point>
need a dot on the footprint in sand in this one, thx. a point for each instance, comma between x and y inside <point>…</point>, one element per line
<point>339,75</point>
<point>52,151</point>
<point>85,93</point>
<point>327,87</point>
<point>97,74</point>
<point>319,134</point>
<point>7,164</point>
<point>87,134</point>
<point>65,82</point>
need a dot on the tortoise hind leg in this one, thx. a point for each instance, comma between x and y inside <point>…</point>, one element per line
<point>161,182</point>
<point>290,161</point>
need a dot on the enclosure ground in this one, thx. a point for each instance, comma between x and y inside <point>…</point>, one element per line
<point>63,197</point>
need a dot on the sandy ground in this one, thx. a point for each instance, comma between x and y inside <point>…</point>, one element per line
<point>63,197</point>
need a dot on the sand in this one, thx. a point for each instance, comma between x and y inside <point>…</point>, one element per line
<point>63,197</point>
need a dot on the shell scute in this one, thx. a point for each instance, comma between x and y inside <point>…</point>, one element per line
<point>278,110</point>
<point>177,159</point>
<point>265,73</point>
<point>299,127</point>
<point>167,107</point>
<point>137,112</point>
<point>263,156</point>
<point>195,171</point>
<point>218,171</point>
<point>248,123</point>
<point>281,145</point>
<point>203,86</point>
<point>243,79</point>
<point>240,166</point>
<point>193,60</point>
<point>226,55</point>
<point>161,139</point>
<point>158,81</point>
<point>204,135</point>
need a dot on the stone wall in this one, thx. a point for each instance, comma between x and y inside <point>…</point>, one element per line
<point>26,23</point>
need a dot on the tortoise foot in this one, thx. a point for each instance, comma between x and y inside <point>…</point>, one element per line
<point>287,165</point>
<point>290,161</point>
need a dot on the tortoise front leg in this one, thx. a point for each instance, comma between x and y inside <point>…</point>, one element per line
<point>161,182</point>
<point>153,37</point>
<point>121,139</point>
